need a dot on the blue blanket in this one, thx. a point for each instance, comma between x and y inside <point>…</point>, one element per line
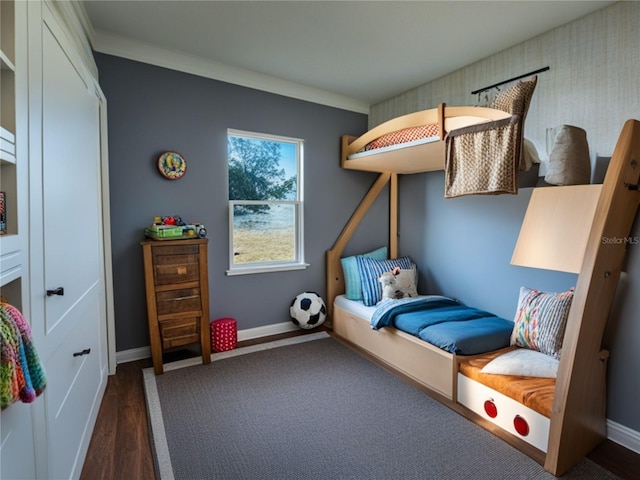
<point>445,323</point>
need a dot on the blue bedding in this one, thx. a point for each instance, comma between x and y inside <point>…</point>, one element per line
<point>445,323</point>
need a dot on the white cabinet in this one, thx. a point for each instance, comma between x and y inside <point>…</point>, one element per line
<point>17,440</point>
<point>54,180</point>
<point>13,151</point>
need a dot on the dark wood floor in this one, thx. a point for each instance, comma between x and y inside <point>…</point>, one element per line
<point>120,446</point>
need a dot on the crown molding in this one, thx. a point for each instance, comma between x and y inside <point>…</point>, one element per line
<point>110,44</point>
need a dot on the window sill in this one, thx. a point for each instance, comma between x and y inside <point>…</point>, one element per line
<point>270,269</point>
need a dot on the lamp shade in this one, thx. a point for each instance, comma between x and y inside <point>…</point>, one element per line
<point>556,227</point>
<point>569,161</point>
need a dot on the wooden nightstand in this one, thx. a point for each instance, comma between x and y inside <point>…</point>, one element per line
<point>177,286</point>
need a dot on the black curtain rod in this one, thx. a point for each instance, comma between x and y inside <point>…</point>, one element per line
<point>540,70</point>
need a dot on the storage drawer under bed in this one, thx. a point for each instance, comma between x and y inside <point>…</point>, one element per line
<point>511,416</point>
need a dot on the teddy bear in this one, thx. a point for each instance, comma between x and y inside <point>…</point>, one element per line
<point>398,284</point>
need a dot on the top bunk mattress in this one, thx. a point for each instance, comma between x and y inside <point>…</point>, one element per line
<point>438,320</point>
<point>407,137</point>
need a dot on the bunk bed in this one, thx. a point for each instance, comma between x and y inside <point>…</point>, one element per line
<point>479,148</point>
<point>567,419</point>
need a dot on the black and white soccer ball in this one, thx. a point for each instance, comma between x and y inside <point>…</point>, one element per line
<point>308,310</point>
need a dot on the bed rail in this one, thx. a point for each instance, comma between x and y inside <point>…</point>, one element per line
<point>420,158</point>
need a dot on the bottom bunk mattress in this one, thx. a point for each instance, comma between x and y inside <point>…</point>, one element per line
<point>445,323</point>
<point>440,321</point>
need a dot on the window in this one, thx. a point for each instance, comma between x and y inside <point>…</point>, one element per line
<point>265,203</point>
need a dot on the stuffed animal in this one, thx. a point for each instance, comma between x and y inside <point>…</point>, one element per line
<point>398,284</point>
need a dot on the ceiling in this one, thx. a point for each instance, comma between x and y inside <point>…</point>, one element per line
<point>367,51</point>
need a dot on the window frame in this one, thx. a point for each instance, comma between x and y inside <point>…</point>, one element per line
<point>298,262</point>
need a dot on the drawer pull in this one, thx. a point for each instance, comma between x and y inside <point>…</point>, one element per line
<point>490,408</point>
<point>521,425</point>
<point>86,351</point>
<point>177,299</point>
<point>57,291</point>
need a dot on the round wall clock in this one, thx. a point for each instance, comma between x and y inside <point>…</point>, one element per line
<point>172,165</point>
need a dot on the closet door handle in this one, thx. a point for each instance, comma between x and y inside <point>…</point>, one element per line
<point>57,291</point>
<point>86,351</point>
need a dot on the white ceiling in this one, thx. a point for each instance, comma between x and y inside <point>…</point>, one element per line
<point>367,51</point>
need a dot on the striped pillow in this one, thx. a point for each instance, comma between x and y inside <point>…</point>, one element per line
<point>541,319</point>
<point>351,273</point>
<point>371,269</point>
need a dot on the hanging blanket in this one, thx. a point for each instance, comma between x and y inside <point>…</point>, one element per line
<point>445,323</point>
<point>484,158</point>
<point>21,374</point>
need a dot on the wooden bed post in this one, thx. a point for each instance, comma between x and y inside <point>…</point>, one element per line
<point>578,416</point>
<point>393,216</point>
<point>335,277</point>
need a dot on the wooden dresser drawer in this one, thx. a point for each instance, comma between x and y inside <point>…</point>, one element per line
<point>183,249</point>
<point>179,332</point>
<point>170,269</point>
<point>178,301</point>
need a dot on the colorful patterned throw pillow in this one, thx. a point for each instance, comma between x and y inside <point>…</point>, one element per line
<point>371,269</point>
<point>541,320</point>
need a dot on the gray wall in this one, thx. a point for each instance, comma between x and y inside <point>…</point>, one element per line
<point>464,245</point>
<point>152,109</point>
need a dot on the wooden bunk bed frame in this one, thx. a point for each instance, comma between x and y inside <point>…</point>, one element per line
<point>578,416</point>
<point>426,157</point>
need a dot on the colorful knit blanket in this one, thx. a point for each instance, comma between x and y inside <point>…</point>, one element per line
<point>21,374</point>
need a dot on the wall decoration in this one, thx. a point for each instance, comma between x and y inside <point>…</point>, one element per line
<point>172,165</point>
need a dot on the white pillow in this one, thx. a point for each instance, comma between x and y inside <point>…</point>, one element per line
<point>523,362</point>
<point>407,281</point>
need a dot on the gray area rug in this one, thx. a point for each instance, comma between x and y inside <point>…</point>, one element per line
<point>310,408</point>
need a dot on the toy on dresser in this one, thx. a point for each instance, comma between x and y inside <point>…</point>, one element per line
<point>174,228</point>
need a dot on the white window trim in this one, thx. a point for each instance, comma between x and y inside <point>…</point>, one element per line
<point>276,266</point>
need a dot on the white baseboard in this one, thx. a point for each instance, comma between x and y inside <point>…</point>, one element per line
<point>616,432</point>
<point>623,436</point>
<point>140,353</point>
<point>267,330</point>
<point>132,355</point>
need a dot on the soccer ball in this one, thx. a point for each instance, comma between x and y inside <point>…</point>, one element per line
<point>308,310</point>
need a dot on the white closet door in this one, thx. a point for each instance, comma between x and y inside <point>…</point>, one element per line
<point>72,253</point>
<point>71,182</point>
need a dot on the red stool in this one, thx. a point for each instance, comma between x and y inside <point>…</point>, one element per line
<point>224,334</point>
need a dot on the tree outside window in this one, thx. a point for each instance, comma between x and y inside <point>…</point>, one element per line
<point>265,202</point>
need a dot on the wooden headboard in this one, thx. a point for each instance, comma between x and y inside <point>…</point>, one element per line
<point>335,277</point>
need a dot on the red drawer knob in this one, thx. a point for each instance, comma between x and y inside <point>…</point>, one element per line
<point>521,425</point>
<point>491,408</point>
